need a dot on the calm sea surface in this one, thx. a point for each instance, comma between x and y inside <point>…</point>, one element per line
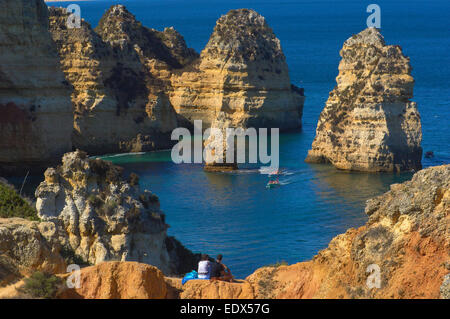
<point>234,214</point>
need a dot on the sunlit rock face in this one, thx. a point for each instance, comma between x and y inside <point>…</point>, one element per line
<point>119,73</point>
<point>133,85</point>
<point>369,123</point>
<point>242,72</point>
<point>35,106</point>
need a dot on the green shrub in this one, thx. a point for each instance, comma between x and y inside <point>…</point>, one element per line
<point>42,285</point>
<point>278,264</point>
<point>13,205</point>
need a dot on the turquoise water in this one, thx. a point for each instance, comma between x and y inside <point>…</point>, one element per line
<point>234,214</point>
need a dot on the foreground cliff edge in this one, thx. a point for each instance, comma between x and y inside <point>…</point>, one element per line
<point>368,122</point>
<point>406,238</point>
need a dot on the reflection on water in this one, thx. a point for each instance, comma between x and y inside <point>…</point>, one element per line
<point>354,187</point>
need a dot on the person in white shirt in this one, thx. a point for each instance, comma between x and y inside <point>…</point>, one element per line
<point>204,268</point>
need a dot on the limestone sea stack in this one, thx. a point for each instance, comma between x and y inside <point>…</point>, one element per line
<point>242,72</point>
<point>369,123</point>
<point>100,216</point>
<point>218,148</point>
<point>35,107</point>
<point>117,71</point>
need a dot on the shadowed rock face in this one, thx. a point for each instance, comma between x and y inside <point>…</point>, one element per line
<point>369,123</point>
<point>35,107</point>
<point>100,216</point>
<point>242,72</point>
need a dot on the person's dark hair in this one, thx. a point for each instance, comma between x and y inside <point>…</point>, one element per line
<point>219,257</point>
<point>205,257</point>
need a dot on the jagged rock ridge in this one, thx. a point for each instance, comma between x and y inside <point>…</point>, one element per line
<point>369,122</point>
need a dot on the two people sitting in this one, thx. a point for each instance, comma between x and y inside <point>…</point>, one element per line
<point>213,270</point>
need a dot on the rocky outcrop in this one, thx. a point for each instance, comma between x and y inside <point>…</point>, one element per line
<point>119,280</point>
<point>206,289</point>
<point>35,107</point>
<point>369,123</point>
<point>217,146</point>
<point>27,246</point>
<point>242,72</point>
<point>100,216</point>
<point>119,98</point>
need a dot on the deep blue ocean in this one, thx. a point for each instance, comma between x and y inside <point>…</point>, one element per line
<point>234,214</point>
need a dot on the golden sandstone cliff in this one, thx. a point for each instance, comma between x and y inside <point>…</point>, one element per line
<point>35,108</point>
<point>369,123</point>
<point>242,72</point>
<point>119,103</point>
<point>133,85</point>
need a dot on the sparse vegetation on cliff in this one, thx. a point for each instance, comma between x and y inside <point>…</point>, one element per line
<point>41,285</point>
<point>13,205</point>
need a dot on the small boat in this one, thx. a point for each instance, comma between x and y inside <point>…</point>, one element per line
<point>272,184</point>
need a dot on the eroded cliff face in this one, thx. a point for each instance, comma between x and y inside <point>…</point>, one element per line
<point>242,72</point>
<point>119,280</point>
<point>100,216</point>
<point>133,85</point>
<point>369,122</point>
<point>119,92</point>
<point>35,106</point>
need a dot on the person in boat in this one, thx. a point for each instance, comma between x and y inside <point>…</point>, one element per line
<point>274,182</point>
<point>219,271</point>
<point>204,267</point>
